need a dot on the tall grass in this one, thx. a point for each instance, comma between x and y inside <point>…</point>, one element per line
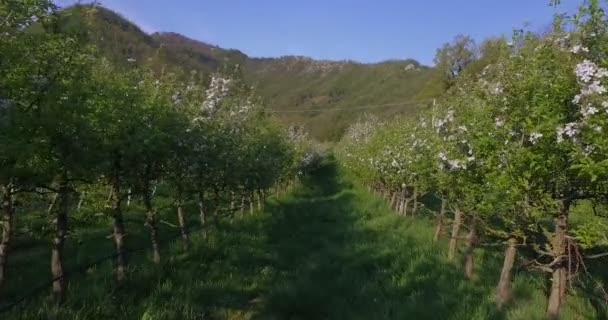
<point>329,250</point>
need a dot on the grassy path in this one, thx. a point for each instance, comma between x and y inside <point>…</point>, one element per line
<point>328,251</point>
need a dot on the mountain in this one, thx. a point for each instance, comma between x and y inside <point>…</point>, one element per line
<point>325,96</point>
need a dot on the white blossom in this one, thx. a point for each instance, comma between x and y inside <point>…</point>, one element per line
<point>217,91</point>
<point>499,122</point>
<point>601,73</point>
<point>456,164</point>
<point>594,88</point>
<point>585,70</point>
<point>496,89</point>
<point>534,136</point>
<point>579,48</point>
<point>589,111</point>
<point>395,163</point>
<point>570,130</point>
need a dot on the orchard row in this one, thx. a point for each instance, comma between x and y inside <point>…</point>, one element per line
<point>508,152</point>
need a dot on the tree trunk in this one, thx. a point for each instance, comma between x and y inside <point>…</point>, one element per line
<point>81,200</point>
<point>503,290</point>
<point>560,271</point>
<point>468,253</point>
<point>405,206</point>
<point>129,195</point>
<point>201,212</point>
<point>454,235</point>
<point>400,205</point>
<point>242,209</point>
<point>251,203</point>
<point>61,230</point>
<point>119,242</point>
<point>439,224</point>
<point>260,203</point>
<point>7,229</point>
<point>152,223</point>
<point>119,232</point>
<point>393,200</point>
<point>232,202</point>
<point>182,224</point>
<point>415,199</point>
<point>180,217</point>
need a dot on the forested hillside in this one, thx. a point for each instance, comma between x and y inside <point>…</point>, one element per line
<point>285,84</point>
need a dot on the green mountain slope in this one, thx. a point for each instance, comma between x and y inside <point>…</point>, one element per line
<point>325,96</point>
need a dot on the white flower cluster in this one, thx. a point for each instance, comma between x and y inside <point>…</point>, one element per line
<point>534,137</point>
<point>454,164</point>
<point>495,89</point>
<point>219,88</point>
<point>362,130</point>
<point>441,123</point>
<point>578,48</point>
<point>499,122</point>
<point>570,130</point>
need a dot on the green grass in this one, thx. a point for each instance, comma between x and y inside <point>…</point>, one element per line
<point>329,250</point>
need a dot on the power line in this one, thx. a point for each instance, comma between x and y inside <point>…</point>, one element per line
<point>397,104</point>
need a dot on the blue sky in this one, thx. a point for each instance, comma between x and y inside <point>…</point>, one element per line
<point>362,30</point>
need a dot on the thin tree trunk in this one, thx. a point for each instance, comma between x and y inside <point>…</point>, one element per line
<point>216,218</point>
<point>232,202</point>
<point>181,218</point>
<point>401,202</point>
<point>393,200</point>
<point>110,195</point>
<point>242,209</point>
<point>61,230</point>
<point>260,203</point>
<point>415,198</point>
<point>81,200</point>
<point>119,243</point>
<point>560,271</point>
<point>182,225</point>
<point>129,197</point>
<point>119,231</point>
<point>468,253</point>
<point>151,222</point>
<point>251,203</point>
<point>7,229</point>
<point>454,235</point>
<point>503,290</point>
<point>439,224</point>
<point>405,206</point>
<point>201,212</point>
